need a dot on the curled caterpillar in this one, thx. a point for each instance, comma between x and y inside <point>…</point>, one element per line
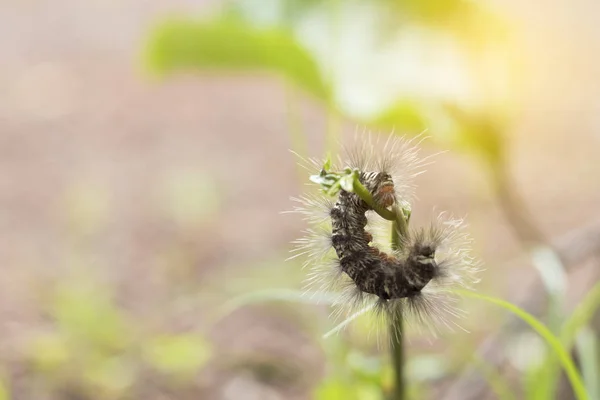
<point>372,270</point>
<point>415,280</point>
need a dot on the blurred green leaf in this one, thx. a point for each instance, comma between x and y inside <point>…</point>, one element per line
<point>365,368</point>
<point>334,390</point>
<point>479,133</point>
<point>368,392</point>
<point>464,18</point>
<point>464,129</point>
<point>427,367</point>
<point>177,354</point>
<point>403,116</point>
<point>89,317</point>
<point>230,43</point>
<point>432,12</point>
<point>340,390</point>
<point>111,376</point>
<point>471,21</point>
<point>49,352</point>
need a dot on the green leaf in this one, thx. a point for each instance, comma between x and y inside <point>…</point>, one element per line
<point>49,352</point>
<point>347,183</point>
<point>90,317</point>
<point>327,165</point>
<point>335,390</point>
<point>433,12</point>
<point>334,189</point>
<point>552,341</point>
<point>474,23</point>
<point>333,182</point>
<point>177,354</point>
<point>479,133</point>
<point>111,377</point>
<point>403,116</point>
<point>426,368</point>
<point>322,179</point>
<point>467,130</point>
<point>366,368</point>
<point>229,43</point>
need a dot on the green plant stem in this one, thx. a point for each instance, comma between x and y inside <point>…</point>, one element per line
<point>396,329</point>
<point>397,353</point>
<point>365,195</point>
<point>399,229</point>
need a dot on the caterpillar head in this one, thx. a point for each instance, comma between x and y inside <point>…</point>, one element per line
<point>421,264</point>
<point>423,251</point>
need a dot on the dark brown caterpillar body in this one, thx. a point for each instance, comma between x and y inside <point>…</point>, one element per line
<point>373,271</point>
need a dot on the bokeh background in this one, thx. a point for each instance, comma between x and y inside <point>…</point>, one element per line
<point>144,164</point>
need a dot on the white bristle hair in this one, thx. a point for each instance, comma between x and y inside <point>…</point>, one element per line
<point>437,304</point>
<point>394,155</point>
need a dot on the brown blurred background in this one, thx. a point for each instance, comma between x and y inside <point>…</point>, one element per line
<point>132,208</point>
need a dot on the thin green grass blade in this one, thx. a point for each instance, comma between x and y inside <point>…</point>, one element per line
<point>552,341</point>
<point>587,348</point>
<point>347,321</point>
<point>586,345</point>
<point>554,278</point>
<point>287,295</point>
<point>581,316</point>
<point>543,382</point>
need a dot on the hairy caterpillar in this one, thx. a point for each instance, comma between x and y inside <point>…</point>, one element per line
<point>373,271</point>
<point>413,281</point>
